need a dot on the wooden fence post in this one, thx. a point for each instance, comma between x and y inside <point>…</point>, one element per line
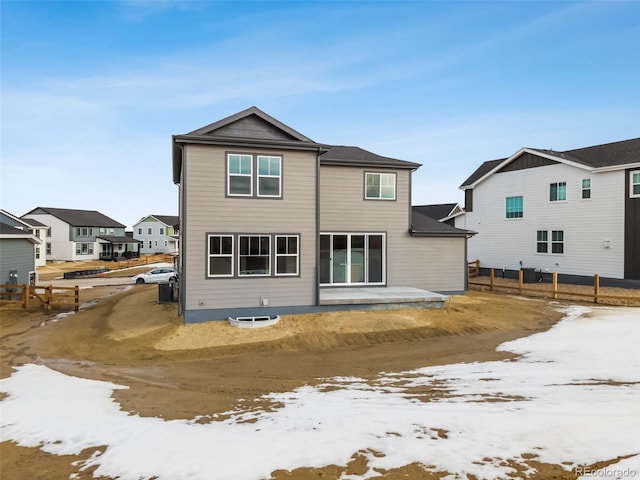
<point>76,301</point>
<point>555,285</point>
<point>596,287</point>
<point>25,296</point>
<point>520,280</point>
<point>48,294</point>
<point>491,277</point>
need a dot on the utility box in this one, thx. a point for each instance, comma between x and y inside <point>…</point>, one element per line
<point>165,292</point>
<point>528,275</point>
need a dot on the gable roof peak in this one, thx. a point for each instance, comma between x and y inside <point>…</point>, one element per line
<point>222,127</point>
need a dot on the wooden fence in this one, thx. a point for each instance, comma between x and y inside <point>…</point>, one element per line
<point>554,290</point>
<point>474,268</point>
<point>143,260</point>
<point>46,296</point>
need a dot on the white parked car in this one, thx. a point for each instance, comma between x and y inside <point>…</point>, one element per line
<point>157,275</point>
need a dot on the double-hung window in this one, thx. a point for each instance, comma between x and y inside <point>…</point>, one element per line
<point>542,239</point>
<point>514,207</point>
<point>557,241</point>
<point>634,184</point>
<point>254,176</point>
<point>380,186</point>
<point>586,188</point>
<point>558,192</point>
<point>220,256</point>
<point>269,177</point>
<point>287,257</point>
<point>254,255</point>
<point>240,175</point>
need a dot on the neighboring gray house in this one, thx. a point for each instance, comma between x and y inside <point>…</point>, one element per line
<point>274,223</point>
<point>81,234</point>
<point>443,212</point>
<point>575,212</point>
<point>31,226</point>
<point>157,234</point>
<point>17,255</point>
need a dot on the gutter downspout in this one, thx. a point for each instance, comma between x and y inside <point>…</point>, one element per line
<point>317,299</point>
<point>181,224</point>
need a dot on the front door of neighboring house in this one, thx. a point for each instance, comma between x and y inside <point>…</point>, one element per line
<point>352,259</point>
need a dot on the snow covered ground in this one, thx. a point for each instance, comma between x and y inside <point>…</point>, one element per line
<point>573,395</point>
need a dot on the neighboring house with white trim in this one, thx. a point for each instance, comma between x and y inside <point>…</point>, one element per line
<point>32,226</point>
<point>157,234</point>
<point>575,212</point>
<point>17,254</point>
<point>272,221</point>
<point>443,212</point>
<point>81,234</point>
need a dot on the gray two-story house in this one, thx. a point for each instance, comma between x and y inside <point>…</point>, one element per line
<point>273,222</point>
<point>81,234</point>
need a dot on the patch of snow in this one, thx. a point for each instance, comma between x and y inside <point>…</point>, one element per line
<point>573,395</point>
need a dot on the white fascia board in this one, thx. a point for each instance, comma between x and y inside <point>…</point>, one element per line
<point>617,167</point>
<point>32,238</point>
<point>533,152</point>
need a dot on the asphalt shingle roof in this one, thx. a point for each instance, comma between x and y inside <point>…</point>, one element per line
<point>80,218</point>
<point>437,211</point>
<point>356,156</point>
<point>425,225</point>
<point>606,155</point>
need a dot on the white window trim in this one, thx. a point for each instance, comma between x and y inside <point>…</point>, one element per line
<point>269,255</point>
<point>565,192</point>
<point>366,261</point>
<point>379,197</point>
<point>220,255</point>
<point>505,208</point>
<point>277,255</point>
<point>258,176</point>
<point>582,189</point>
<point>552,242</point>
<point>250,175</point>
<point>631,184</point>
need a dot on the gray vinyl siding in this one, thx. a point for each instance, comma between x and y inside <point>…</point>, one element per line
<point>16,254</point>
<point>435,264</point>
<point>209,210</point>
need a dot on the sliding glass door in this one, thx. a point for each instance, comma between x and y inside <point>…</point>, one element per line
<point>352,259</point>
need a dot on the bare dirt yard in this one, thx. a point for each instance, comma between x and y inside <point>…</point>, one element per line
<point>177,371</point>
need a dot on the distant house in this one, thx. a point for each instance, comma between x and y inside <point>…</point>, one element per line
<point>17,254</point>
<point>31,226</point>
<point>443,212</point>
<point>157,234</point>
<point>575,212</point>
<point>81,234</point>
<point>275,223</point>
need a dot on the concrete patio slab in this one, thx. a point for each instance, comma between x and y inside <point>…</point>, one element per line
<point>379,295</point>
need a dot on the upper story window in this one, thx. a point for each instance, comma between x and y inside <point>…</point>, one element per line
<point>84,232</point>
<point>161,231</point>
<point>139,231</point>
<point>48,231</point>
<point>558,192</point>
<point>379,186</point>
<point>514,207</point>
<point>586,188</point>
<point>249,176</point>
<point>634,185</point>
<point>269,177</point>
<point>240,175</point>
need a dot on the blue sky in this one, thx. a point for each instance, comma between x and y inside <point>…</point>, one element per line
<point>92,91</point>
